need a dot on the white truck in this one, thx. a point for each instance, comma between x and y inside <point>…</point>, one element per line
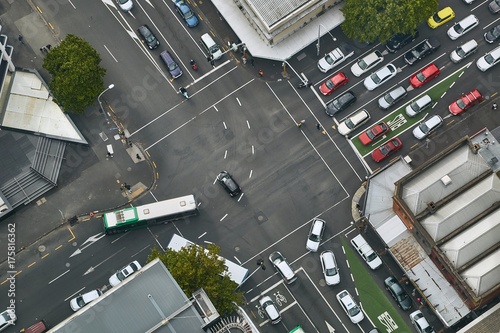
<point>334,58</point>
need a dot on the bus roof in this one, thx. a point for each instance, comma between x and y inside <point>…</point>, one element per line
<point>121,216</point>
<point>236,273</point>
<point>297,329</point>
<point>156,209</point>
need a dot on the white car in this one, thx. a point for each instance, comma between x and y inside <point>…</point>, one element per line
<point>123,273</point>
<point>421,324</point>
<point>333,59</point>
<point>463,51</point>
<point>7,318</point>
<point>353,122</point>
<point>350,307</point>
<point>462,27</point>
<point>366,63</point>
<point>424,129</point>
<point>315,235</point>
<point>489,60</point>
<point>125,5</point>
<point>381,76</point>
<point>270,309</point>
<point>279,262</point>
<point>79,302</point>
<point>330,268</point>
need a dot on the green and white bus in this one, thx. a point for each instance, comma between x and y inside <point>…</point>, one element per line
<point>154,213</point>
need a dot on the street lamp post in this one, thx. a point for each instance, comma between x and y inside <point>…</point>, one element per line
<point>285,63</point>
<point>111,86</point>
<point>319,36</point>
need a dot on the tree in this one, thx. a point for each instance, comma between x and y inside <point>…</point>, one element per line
<point>195,267</point>
<point>377,20</point>
<point>76,77</point>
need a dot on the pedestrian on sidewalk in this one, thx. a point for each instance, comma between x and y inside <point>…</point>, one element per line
<point>21,38</point>
<point>129,143</point>
<point>108,155</point>
<point>138,157</point>
<point>252,62</point>
<point>494,106</point>
<point>261,73</point>
<point>318,127</point>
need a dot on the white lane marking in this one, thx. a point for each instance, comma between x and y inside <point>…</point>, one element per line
<point>111,54</point>
<point>72,295</point>
<point>203,234</point>
<point>225,126</point>
<point>241,196</point>
<point>92,268</point>
<point>253,150</point>
<point>250,175</point>
<point>74,5</point>
<point>238,260</point>
<point>216,108</point>
<point>207,242</point>
<point>59,276</point>
<point>223,218</point>
<point>225,155</point>
<point>248,124</point>
<point>238,100</point>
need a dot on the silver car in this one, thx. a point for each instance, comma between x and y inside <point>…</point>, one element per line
<point>315,235</point>
<point>379,77</point>
<point>354,121</point>
<point>125,5</point>
<point>489,60</point>
<point>463,51</point>
<point>392,97</point>
<point>79,302</point>
<point>427,127</point>
<point>366,63</point>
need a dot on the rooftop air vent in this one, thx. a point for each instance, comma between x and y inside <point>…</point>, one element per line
<point>431,207</point>
<point>446,180</point>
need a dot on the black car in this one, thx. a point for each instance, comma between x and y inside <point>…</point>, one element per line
<point>398,41</point>
<point>398,293</point>
<point>148,37</point>
<point>422,49</point>
<point>340,103</point>
<point>492,35</point>
<point>230,185</point>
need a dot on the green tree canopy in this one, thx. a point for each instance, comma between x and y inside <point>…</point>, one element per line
<point>76,77</point>
<point>377,20</point>
<point>194,268</point>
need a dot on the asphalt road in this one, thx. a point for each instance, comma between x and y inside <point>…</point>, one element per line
<point>237,122</point>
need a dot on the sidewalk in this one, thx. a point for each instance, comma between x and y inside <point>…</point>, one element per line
<point>89,180</point>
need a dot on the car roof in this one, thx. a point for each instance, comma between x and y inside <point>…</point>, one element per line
<point>469,45</point>
<point>369,58</point>
<point>285,269</point>
<point>328,258</point>
<point>433,121</point>
<point>468,20</point>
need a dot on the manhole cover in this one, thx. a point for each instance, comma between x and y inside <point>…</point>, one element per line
<point>261,217</point>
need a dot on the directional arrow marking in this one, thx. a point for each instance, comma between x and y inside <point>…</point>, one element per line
<point>329,327</point>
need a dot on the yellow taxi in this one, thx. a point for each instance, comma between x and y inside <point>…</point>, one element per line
<point>444,15</point>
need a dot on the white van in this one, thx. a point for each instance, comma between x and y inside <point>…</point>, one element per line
<point>211,46</point>
<point>366,252</point>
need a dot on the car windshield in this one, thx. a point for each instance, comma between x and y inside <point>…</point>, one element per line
<point>349,123</point>
<point>122,2</point>
<point>329,84</point>
<point>489,59</point>
<point>172,66</point>
<point>436,18</point>
<point>388,98</point>
<point>231,185</point>
<point>458,28</point>
<point>371,134</point>
<point>214,48</point>
<point>495,32</point>
<point>80,301</point>
<point>336,104</point>
<point>421,77</point>
<point>402,296</point>
<point>385,150</point>
<point>428,329</point>
<point>148,36</point>
<point>423,127</point>
<point>120,276</point>
<point>362,64</point>
<point>461,104</point>
<point>354,311</point>
<point>375,78</point>
<point>329,59</point>
<point>415,53</point>
<point>371,257</point>
<point>460,52</point>
<point>331,271</point>
<point>314,238</point>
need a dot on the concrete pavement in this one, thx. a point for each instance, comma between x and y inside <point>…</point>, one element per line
<point>89,180</point>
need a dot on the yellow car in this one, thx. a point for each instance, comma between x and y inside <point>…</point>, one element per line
<point>444,15</point>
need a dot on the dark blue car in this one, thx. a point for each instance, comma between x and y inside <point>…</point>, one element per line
<point>186,13</point>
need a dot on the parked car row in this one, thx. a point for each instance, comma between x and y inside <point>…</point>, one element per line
<point>84,299</point>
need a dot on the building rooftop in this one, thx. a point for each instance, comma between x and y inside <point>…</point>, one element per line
<point>149,300</point>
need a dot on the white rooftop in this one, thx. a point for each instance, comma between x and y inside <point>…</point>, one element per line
<point>270,10</point>
<point>30,108</point>
<point>484,275</point>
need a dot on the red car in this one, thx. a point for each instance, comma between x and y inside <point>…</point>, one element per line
<point>389,148</point>
<point>333,83</point>
<point>465,102</point>
<point>425,75</point>
<point>374,133</point>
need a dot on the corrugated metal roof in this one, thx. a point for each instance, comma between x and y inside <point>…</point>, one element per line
<point>461,165</point>
<point>484,275</point>
<point>463,208</point>
<point>272,11</point>
<point>473,241</point>
<point>136,305</point>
